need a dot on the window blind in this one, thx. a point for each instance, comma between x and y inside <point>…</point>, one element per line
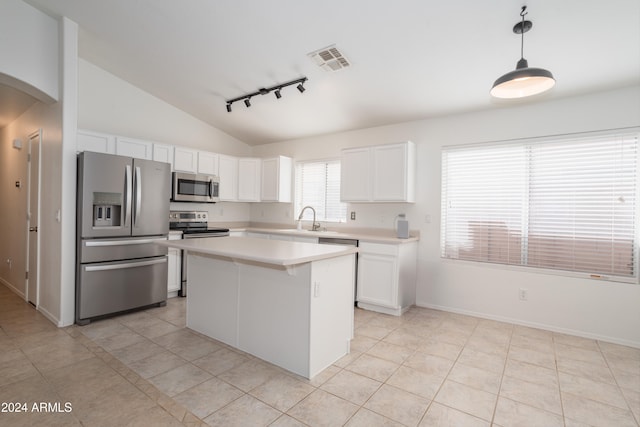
<point>318,185</point>
<point>564,204</point>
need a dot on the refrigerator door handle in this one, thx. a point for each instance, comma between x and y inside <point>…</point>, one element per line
<point>102,243</point>
<point>138,195</point>
<point>125,265</point>
<point>128,201</point>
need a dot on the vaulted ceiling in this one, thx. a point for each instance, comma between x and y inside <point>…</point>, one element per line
<point>409,59</point>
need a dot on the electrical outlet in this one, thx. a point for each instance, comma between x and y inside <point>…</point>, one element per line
<point>523,294</point>
<point>353,215</point>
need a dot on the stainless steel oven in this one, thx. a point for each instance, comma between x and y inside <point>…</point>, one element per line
<point>194,225</point>
<point>190,187</point>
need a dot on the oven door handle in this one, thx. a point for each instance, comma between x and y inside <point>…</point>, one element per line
<point>125,265</point>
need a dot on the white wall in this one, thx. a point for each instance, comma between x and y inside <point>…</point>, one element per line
<point>110,104</point>
<point>29,50</point>
<point>598,309</point>
<point>13,209</point>
<point>40,38</point>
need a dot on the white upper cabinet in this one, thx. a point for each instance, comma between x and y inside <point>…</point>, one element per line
<point>276,179</point>
<point>383,173</point>
<point>394,172</point>
<point>228,176</point>
<point>96,142</point>
<point>208,163</point>
<point>134,148</point>
<point>185,160</point>
<point>163,153</point>
<point>355,172</point>
<point>249,179</point>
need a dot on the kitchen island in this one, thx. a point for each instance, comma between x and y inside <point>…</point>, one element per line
<point>289,303</point>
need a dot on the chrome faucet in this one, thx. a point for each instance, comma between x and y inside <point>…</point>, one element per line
<point>314,226</point>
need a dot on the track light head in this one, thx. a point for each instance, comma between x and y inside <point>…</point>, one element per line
<point>301,88</point>
<point>247,102</point>
<point>228,107</point>
<point>277,93</point>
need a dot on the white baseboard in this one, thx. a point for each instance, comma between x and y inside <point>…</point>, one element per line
<point>51,317</point>
<point>536,325</point>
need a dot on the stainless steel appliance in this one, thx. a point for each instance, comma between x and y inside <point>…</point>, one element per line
<point>189,187</point>
<point>193,224</point>
<point>344,242</point>
<point>122,210</point>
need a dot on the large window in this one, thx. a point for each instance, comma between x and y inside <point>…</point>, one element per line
<point>565,204</point>
<point>318,186</point>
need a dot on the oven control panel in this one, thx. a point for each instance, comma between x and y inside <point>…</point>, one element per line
<point>188,216</point>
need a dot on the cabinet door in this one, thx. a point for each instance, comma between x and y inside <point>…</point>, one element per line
<point>390,173</point>
<point>228,175</point>
<point>96,142</point>
<point>355,172</point>
<point>249,179</point>
<point>185,160</point>
<point>208,163</point>
<point>276,179</point>
<point>378,279</point>
<point>134,148</point>
<point>163,153</point>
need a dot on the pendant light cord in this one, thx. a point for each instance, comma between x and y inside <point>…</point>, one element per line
<point>522,13</point>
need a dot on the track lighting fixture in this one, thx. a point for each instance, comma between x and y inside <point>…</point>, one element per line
<point>523,81</point>
<point>264,91</point>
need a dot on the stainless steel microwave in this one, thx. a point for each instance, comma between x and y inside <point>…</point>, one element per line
<point>190,187</point>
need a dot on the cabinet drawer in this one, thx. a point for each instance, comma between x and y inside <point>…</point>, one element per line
<point>378,248</point>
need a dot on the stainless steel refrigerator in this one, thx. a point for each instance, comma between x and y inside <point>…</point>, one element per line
<point>123,208</point>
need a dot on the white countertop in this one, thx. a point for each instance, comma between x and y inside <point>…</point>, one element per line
<point>275,252</point>
<point>372,236</point>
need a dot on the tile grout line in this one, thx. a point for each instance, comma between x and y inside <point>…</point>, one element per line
<point>162,400</point>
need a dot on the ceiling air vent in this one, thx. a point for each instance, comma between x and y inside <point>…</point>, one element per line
<point>329,59</point>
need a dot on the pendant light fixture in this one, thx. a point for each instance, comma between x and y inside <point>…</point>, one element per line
<point>523,81</point>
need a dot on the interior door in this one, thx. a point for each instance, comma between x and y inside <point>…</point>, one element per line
<point>33,242</point>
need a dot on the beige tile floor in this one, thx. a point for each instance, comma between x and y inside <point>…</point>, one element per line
<point>426,368</point>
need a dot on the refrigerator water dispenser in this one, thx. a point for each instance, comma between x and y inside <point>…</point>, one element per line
<point>106,209</point>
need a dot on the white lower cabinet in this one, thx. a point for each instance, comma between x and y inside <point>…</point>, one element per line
<point>174,267</point>
<point>280,236</point>
<point>387,277</point>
